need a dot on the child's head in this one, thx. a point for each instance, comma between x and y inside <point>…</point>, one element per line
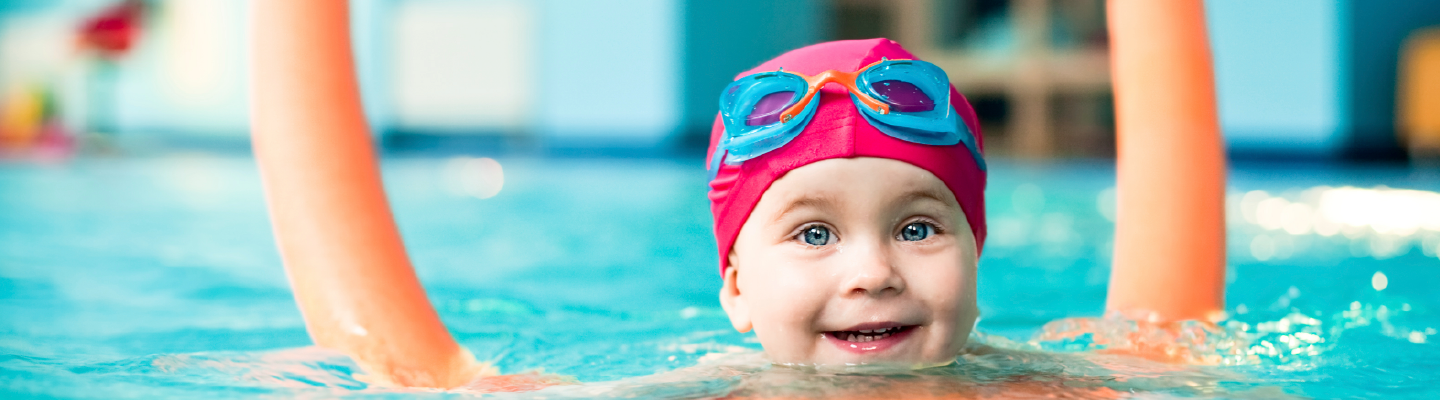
<point>853,241</point>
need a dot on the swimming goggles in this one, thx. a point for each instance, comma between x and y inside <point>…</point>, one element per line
<point>906,99</point>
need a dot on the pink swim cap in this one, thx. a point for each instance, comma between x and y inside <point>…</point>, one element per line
<point>838,130</point>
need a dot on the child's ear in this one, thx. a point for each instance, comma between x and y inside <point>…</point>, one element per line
<point>731,300</point>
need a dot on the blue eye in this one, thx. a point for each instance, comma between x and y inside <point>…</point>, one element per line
<point>816,236</point>
<point>916,231</point>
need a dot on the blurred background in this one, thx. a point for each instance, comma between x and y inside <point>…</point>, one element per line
<point>137,260</point>
<point>1298,79</point>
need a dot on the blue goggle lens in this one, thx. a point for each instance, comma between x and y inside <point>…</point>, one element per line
<point>751,108</point>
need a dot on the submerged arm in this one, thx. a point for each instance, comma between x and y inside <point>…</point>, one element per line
<point>342,251</point>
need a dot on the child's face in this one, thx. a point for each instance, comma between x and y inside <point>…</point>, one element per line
<point>855,260</point>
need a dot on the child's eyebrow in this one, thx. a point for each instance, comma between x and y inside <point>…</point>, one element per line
<point>925,194</point>
<point>823,202</point>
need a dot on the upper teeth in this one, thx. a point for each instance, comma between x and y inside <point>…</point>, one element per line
<point>866,335</point>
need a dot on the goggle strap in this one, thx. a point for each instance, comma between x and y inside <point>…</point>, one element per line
<point>715,162</point>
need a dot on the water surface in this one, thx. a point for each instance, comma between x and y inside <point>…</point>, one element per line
<point>157,277</point>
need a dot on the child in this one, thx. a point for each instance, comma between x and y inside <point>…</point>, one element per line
<point>848,234</point>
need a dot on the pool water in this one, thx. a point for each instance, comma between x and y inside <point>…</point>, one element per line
<point>157,276</point>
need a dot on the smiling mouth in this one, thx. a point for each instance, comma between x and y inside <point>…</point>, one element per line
<point>868,335</point>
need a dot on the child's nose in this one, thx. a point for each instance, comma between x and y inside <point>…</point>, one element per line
<point>872,273</point>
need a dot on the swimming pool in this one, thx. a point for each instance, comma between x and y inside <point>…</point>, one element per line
<point>157,277</point>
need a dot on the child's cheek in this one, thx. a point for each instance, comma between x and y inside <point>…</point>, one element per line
<point>946,283</point>
<point>787,300</point>
<point>789,285</point>
<point>799,289</point>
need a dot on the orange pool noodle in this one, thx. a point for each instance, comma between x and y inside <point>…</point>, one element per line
<point>342,251</point>
<point>1170,222</point>
<point>1417,102</point>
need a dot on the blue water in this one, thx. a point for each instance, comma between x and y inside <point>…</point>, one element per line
<point>156,276</point>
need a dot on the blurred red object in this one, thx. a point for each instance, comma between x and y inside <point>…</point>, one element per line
<point>112,32</point>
